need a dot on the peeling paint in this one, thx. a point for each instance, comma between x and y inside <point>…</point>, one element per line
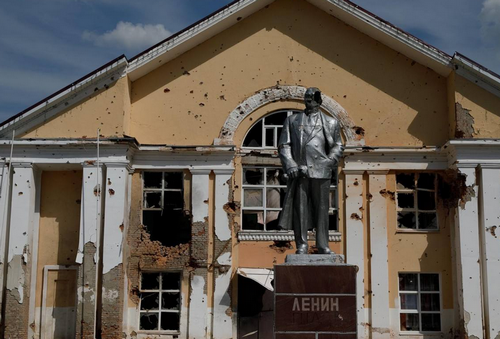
<point>17,277</point>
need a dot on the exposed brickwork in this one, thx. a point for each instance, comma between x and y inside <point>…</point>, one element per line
<point>112,303</point>
<point>199,242</point>
<point>85,313</point>
<point>146,254</point>
<point>17,306</point>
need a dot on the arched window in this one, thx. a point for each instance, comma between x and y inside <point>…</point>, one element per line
<point>263,182</point>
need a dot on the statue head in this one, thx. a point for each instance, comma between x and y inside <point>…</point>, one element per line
<point>312,99</point>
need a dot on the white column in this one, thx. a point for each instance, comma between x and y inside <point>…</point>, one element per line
<point>355,239</point>
<point>199,315</point>
<point>20,241</point>
<point>222,187</point>
<point>468,258</point>
<point>199,200</point>
<point>379,255</point>
<point>4,205</point>
<point>115,217</point>
<point>490,239</point>
<point>89,246</point>
<point>90,216</point>
<point>222,322</point>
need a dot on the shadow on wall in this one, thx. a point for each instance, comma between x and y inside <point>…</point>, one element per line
<point>255,310</point>
<point>407,82</point>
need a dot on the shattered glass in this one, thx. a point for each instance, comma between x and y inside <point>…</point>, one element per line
<point>426,181</point>
<point>152,179</point>
<point>406,200</point>
<point>405,181</point>
<point>427,221</point>
<point>426,200</point>
<point>148,321</point>
<point>170,321</point>
<point>150,281</point>
<point>407,220</point>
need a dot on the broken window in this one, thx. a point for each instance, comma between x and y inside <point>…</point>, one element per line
<point>163,210</point>
<point>420,306</point>
<point>266,132</point>
<point>264,190</point>
<point>160,304</point>
<point>416,201</point>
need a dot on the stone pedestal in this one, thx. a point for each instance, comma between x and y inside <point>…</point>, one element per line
<point>315,298</point>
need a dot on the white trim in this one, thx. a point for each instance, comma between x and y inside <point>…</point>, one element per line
<point>281,236</point>
<point>394,158</point>
<point>34,254</point>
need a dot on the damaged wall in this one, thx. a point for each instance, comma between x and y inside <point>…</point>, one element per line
<point>477,110</point>
<point>59,228</point>
<point>107,109</point>
<point>384,92</point>
<point>427,252</point>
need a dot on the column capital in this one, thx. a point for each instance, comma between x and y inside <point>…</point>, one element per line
<point>200,171</point>
<point>353,171</point>
<point>91,163</point>
<point>489,166</point>
<point>122,164</point>
<point>222,171</point>
<point>377,172</point>
<point>19,164</point>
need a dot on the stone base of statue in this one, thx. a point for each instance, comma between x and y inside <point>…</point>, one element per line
<point>315,297</point>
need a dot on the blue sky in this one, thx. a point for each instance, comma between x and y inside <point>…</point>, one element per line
<point>47,44</point>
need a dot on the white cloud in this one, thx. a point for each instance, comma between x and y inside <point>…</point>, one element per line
<point>129,36</point>
<point>490,21</point>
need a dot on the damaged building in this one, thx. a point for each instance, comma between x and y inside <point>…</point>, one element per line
<point>142,200</point>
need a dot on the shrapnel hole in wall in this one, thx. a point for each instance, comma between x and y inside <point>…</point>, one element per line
<point>164,215</point>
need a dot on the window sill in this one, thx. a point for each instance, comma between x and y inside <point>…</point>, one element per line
<point>172,333</point>
<point>281,236</point>
<point>401,230</point>
<point>421,334</point>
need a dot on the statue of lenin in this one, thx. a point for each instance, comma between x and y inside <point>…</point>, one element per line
<point>310,148</point>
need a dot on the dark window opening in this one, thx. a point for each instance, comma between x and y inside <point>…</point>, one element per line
<point>255,310</point>
<point>163,215</point>
<point>160,302</point>
<point>416,202</point>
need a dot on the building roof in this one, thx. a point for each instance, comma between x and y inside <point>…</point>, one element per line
<point>227,16</point>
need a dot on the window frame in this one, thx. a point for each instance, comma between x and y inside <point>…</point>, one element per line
<point>264,127</point>
<point>415,203</point>
<point>159,311</point>
<point>162,189</point>
<point>419,306</point>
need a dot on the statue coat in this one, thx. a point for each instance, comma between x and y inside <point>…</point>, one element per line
<point>314,150</point>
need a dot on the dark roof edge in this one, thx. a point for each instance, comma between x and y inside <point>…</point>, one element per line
<point>478,65</point>
<point>397,28</point>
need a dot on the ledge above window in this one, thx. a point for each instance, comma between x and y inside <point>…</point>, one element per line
<point>281,236</point>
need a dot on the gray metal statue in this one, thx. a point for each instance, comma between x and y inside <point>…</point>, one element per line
<point>310,148</point>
